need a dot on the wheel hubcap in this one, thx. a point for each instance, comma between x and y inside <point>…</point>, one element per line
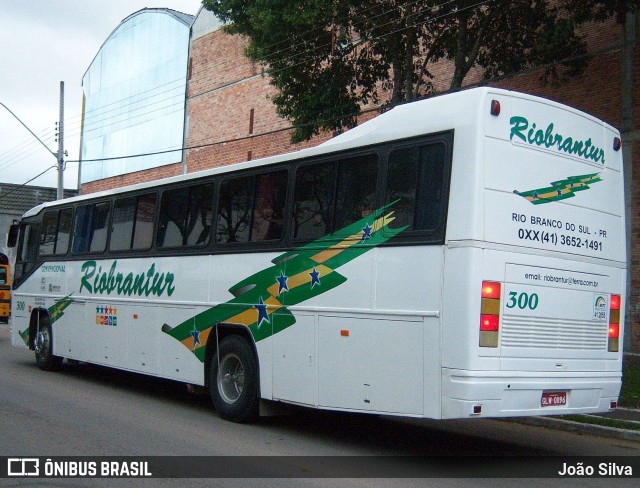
<point>41,341</point>
<point>231,378</point>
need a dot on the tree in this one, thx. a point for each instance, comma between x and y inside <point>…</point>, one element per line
<point>328,58</point>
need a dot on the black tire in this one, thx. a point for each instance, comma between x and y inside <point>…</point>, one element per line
<point>43,346</point>
<point>234,392</point>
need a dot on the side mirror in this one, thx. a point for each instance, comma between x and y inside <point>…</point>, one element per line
<point>12,237</point>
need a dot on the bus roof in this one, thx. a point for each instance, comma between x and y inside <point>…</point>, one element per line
<point>443,112</point>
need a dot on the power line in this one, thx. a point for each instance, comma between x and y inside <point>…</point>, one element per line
<point>4,195</point>
<point>387,106</point>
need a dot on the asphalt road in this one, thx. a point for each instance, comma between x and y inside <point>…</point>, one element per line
<point>85,410</point>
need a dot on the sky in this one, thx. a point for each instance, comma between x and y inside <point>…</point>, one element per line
<point>44,42</point>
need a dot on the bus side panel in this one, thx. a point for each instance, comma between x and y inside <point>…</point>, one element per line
<point>382,353</point>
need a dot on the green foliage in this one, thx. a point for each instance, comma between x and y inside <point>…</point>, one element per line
<point>630,393</point>
<point>328,58</point>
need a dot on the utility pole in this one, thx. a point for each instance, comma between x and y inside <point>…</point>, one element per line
<point>61,154</point>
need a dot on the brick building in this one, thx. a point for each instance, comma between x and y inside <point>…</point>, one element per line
<point>229,117</point>
<point>228,100</point>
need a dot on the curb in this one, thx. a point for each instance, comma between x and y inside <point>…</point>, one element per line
<point>572,426</point>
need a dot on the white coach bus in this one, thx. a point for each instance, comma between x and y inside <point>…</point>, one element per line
<point>462,256</point>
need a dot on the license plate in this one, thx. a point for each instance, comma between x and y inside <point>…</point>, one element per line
<point>553,399</point>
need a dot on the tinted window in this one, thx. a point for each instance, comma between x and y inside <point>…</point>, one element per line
<point>234,210</point>
<point>356,189</point>
<point>55,232</point>
<point>200,216</point>
<point>48,232</point>
<point>124,211</point>
<point>145,216</point>
<point>185,216</point>
<point>27,249</point>
<point>90,229</point>
<point>270,200</point>
<point>132,226</point>
<point>416,182</point>
<point>252,208</point>
<point>313,201</point>
<point>64,231</point>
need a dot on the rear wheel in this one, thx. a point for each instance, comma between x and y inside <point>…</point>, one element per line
<point>43,346</point>
<point>234,380</point>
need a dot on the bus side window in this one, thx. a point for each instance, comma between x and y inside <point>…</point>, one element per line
<point>234,210</point>
<point>270,200</point>
<point>132,226</point>
<point>315,188</point>
<point>124,210</point>
<point>90,229</point>
<point>185,216</point>
<point>200,216</point>
<point>357,179</point>
<point>27,249</point>
<point>63,236</point>
<point>48,230</point>
<point>55,232</point>
<point>145,216</point>
<point>415,183</point>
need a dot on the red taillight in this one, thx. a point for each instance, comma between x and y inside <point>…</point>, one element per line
<point>615,306</point>
<point>491,289</point>
<point>489,322</point>
<point>490,313</point>
<point>615,302</point>
<point>614,331</point>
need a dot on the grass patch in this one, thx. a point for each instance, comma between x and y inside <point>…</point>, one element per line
<point>630,393</point>
<point>619,424</point>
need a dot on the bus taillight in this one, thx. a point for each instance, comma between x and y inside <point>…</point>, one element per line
<point>614,323</point>
<point>490,314</point>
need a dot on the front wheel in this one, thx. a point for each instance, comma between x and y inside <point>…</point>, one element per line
<point>43,346</point>
<point>234,380</point>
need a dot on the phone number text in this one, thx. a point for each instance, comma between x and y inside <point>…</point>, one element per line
<point>544,237</point>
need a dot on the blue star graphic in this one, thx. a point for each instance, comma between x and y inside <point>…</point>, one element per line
<point>196,336</point>
<point>315,277</point>
<point>263,316</point>
<point>282,282</point>
<point>366,232</point>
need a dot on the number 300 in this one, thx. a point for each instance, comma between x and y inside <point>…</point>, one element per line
<point>523,300</point>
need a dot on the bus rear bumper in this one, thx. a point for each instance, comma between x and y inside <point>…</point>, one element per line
<point>515,394</point>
